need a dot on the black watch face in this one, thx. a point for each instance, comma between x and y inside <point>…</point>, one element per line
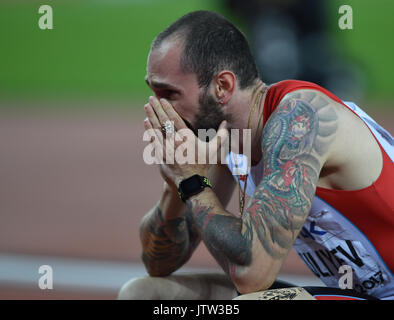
<point>191,185</point>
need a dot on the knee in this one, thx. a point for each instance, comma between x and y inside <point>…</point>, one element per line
<point>137,289</point>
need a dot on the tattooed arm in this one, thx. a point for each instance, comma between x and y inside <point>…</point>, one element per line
<point>167,235</point>
<point>168,232</point>
<point>295,144</point>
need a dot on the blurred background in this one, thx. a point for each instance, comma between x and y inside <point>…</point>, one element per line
<point>73,184</point>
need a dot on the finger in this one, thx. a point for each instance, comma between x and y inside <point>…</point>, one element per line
<point>223,126</point>
<point>219,141</point>
<point>169,149</point>
<point>173,115</point>
<point>147,124</point>
<point>152,116</point>
<point>222,134</point>
<point>158,109</point>
<point>163,143</point>
<point>157,140</point>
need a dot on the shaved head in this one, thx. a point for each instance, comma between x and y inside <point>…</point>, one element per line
<point>210,43</point>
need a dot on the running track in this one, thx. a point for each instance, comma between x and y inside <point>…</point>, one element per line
<point>73,188</point>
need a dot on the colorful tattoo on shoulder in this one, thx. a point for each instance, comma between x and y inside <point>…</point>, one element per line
<point>293,139</point>
<point>292,142</point>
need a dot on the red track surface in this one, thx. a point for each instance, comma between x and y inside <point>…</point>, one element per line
<point>76,185</point>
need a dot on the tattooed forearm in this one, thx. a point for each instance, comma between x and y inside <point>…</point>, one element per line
<point>222,236</point>
<point>167,244</point>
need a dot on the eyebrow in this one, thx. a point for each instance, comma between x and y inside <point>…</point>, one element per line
<point>160,85</point>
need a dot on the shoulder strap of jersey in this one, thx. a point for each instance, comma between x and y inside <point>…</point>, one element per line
<point>278,90</point>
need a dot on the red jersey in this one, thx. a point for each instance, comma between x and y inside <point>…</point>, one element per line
<point>354,228</point>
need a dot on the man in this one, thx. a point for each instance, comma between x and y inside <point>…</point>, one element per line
<point>320,181</point>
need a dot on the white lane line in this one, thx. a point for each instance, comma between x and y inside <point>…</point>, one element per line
<point>82,274</point>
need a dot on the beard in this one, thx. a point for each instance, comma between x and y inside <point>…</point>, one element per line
<point>210,114</point>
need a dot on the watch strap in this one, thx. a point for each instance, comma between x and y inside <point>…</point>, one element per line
<point>192,186</point>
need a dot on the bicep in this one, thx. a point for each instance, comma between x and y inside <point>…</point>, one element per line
<point>292,161</point>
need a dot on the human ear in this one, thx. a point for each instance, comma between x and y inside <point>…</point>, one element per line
<point>225,82</point>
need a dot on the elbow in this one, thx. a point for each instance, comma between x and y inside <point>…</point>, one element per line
<point>245,286</point>
<point>157,272</point>
<point>254,281</point>
<point>156,269</point>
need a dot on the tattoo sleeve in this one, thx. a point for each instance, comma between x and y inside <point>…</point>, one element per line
<point>294,143</point>
<point>167,245</point>
<point>222,236</point>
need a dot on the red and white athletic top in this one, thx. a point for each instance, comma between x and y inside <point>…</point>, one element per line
<point>354,228</point>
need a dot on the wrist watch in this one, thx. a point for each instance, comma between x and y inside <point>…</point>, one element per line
<point>192,186</point>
